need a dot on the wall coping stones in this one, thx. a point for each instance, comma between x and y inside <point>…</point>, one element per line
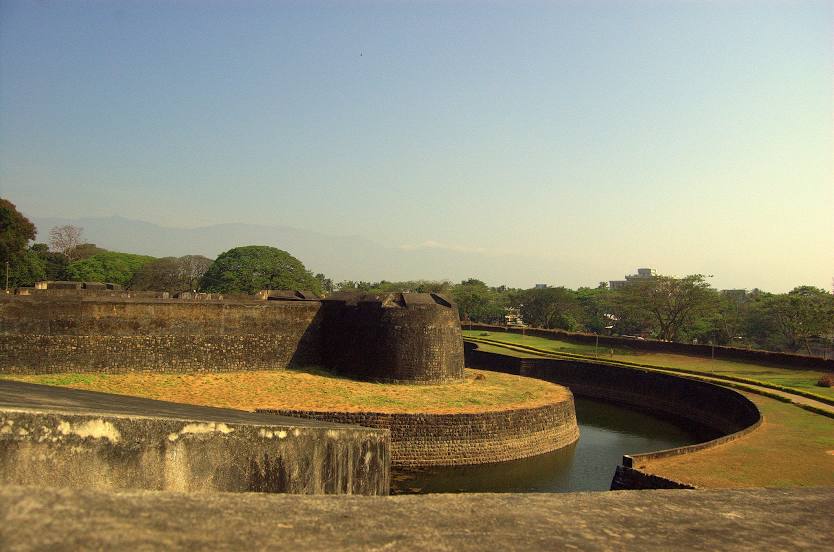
<point>33,518</point>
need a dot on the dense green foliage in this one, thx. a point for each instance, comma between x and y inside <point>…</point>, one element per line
<point>55,264</point>
<point>110,266</point>
<point>15,233</point>
<point>679,309</point>
<point>477,301</point>
<point>85,251</point>
<point>256,267</point>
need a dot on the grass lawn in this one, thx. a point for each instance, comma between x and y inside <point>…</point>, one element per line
<point>315,389</point>
<point>803,380</point>
<point>792,447</point>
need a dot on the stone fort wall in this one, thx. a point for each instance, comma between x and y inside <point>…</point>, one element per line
<point>46,335</point>
<point>465,439</point>
<point>394,337</point>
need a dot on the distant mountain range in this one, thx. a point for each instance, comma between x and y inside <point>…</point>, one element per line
<point>338,257</point>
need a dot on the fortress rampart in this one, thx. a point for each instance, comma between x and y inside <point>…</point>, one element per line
<point>407,337</point>
<point>391,337</point>
<point>45,334</point>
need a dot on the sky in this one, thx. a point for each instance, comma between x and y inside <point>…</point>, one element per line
<point>564,142</point>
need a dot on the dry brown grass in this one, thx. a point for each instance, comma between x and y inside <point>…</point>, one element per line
<point>313,389</point>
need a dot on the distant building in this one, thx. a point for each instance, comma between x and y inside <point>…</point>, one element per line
<point>541,286</point>
<point>642,274</point>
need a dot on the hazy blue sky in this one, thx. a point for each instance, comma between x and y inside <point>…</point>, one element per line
<point>588,138</point>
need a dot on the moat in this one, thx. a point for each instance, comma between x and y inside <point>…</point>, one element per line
<point>607,431</point>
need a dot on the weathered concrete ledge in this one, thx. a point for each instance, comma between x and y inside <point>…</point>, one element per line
<point>69,438</point>
<point>462,439</point>
<point>750,519</point>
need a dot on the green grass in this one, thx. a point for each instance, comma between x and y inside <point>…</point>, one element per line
<point>800,380</point>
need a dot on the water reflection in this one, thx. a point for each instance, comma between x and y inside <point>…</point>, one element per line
<point>607,431</point>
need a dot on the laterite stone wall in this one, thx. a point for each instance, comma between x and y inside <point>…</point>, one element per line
<point>393,337</point>
<point>46,335</point>
<point>462,439</point>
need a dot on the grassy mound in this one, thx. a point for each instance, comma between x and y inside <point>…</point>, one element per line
<point>315,389</point>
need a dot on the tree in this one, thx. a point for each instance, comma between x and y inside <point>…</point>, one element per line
<point>552,307</point>
<point>172,274</point>
<point>55,263</point>
<point>595,308</point>
<point>671,304</point>
<point>256,267</point>
<point>87,250</point>
<point>110,266</point>
<point>192,268</point>
<point>325,283</point>
<point>787,321</point>
<point>15,233</point>
<point>159,275</point>
<point>478,303</point>
<point>66,239</point>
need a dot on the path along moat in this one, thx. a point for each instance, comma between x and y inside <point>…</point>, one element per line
<point>607,431</point>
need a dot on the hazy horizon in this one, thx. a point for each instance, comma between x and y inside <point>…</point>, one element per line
<point>355,257</point>
<point>527,142</point>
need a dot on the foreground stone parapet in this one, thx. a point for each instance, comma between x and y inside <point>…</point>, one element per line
<point>751,519</point>
<point>69,438</point>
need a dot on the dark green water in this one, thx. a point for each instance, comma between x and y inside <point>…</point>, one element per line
<point>607,432</point>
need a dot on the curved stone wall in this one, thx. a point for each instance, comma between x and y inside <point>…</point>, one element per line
<point>717,409</point>
<point>393,337</point>
<point>465,439</point>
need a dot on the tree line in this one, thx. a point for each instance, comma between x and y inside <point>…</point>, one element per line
<point>68,257</point>
<point>684,309</point>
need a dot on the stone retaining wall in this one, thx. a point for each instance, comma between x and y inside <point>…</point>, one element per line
<point>462,439</point>
<point>703,405</point>
<point>95,440</point>
<point>786,360</point>
<point>626,478</point>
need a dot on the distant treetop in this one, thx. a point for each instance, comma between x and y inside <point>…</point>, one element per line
<point>255,267</point>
